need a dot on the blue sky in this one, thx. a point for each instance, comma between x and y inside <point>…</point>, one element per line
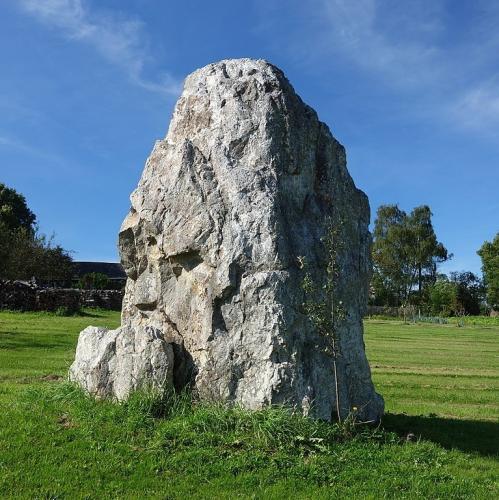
<point>410,88</point>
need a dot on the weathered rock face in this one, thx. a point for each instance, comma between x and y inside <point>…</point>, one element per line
<point>115,363</point>
<point>230,204</point>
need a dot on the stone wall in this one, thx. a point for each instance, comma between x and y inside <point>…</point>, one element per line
<point>24,296</point>
<point>105,299</point>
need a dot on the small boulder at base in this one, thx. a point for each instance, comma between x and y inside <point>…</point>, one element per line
<point>230,217</point>
<point>113,363</point>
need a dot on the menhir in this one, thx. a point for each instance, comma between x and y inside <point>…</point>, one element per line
<point>231,213</point>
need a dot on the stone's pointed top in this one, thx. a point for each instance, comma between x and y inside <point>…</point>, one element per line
<point>233,98</point>
<point>237,69</point>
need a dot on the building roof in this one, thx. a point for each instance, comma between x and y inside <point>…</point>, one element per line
<point>113,270</point>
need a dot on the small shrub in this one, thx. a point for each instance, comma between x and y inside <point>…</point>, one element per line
<point>67,311</point>
<point>430,319</point>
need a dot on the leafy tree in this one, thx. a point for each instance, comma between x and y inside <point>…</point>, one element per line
<point>470,292</point>
<point>54,263</point>
<point>489,253</point>
<point>34,256</point>
<point>405,252</point>
<point>25,253</point>
<point>389,255</point>
<point>443,296</point>
<point>460,294</point>
<point>427,251</point>
<point>14,212</point>
<point>5,246</point>
<point>94,281</point>
<point>382,292</point>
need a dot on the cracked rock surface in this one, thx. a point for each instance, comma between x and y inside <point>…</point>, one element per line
<point>229,205</point>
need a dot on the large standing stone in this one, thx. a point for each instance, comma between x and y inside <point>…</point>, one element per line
<point>230,204</point>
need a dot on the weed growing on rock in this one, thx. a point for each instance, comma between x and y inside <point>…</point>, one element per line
<point>325,310</point>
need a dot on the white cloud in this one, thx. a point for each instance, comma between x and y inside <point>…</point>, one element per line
<point>402,42</point>
<point>9,142</point>
<point>119,40</point>
<point>447,64</point>
<point>396,41</point>
<point>479,107</point>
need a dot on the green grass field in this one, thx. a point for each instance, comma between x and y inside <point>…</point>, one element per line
<point>440,382</point>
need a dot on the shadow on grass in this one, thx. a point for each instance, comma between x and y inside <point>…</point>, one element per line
<point>90,314</point>
<point>465,435</point>
<point>87,313</point>
<point>13,341</point>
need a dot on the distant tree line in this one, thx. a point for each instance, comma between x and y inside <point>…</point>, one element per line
<point>406,254</point>
<point>25,253</point>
